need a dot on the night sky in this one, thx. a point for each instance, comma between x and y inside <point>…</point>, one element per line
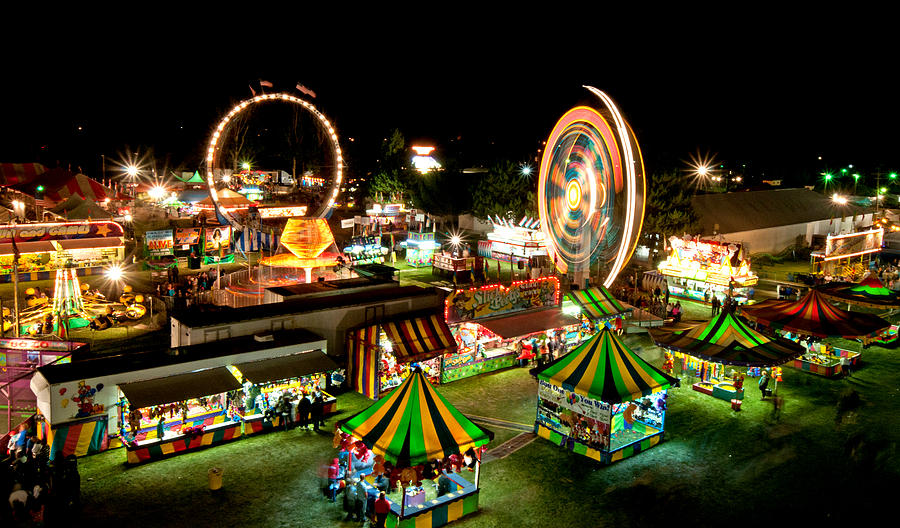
<point>774,101</point>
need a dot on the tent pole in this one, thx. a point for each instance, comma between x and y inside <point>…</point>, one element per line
<point>477,473</point>
<point>403,502</point>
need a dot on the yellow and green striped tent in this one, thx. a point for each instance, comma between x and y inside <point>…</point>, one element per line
<point>597,303</point>
<point>727,340</point>
<point>604,369</point>
<point>414,424</point>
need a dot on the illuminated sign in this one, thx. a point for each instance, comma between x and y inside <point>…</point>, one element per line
<point>187,235</point>
<point>853,244</point>
<point>59,231</point>
<point>160,243</point>
<point>496,299</point>
<point>34,344</point>
<point>218,237</point>
<point>281,212</point>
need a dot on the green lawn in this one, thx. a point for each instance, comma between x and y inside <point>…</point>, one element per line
<point>812,463</point>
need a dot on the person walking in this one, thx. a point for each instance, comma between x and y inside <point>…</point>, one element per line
<point>318,409</point>
<point>845,366</point>
<point>382,508</point>
<point>763,384</point>
<point>350,499</point>
<point>303,409</point>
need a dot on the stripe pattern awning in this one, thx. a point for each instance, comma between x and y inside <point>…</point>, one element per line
<point>597,303</point>
<point>813,315</point>
<point>726,339</point>
<point>414,424</point>
<point>604,369</point>
<point>419,338</point>
<point>869,293</point>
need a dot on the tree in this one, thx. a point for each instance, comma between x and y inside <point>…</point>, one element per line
<point>669,210</point>
<point>391,178</point>
<point>503,191</point>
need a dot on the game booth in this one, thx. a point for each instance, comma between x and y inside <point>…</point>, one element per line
<point>86,247</point>
<point>420,248</point>
<point>163,401</point>
<point>698,269</point>
<point>382,356</point>
<point>812,319</point>
<point>595,303</point>
<point>417,448</point>
<point>707,350</point>
<point>602,400</point>
<point>487,323</point>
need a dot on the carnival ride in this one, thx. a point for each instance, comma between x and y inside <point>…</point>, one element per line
<point>78,306</point>
<point>591,191</point>
<point>219,179</point>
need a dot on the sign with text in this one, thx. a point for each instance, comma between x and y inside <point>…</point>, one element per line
<point>854,244</point>
<point>282,212</point>
<point>160,243</point>
<point>218,238</point>
<point>576,403</point>
<point>487,301</point>
<point>187,235</point>
<point>59,231</point>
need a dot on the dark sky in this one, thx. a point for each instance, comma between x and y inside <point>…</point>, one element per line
<point>772,99</point>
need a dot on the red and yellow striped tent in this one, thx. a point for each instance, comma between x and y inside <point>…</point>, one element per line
<point>414,424</point>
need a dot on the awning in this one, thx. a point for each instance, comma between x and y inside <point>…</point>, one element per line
<point>528,323</point>
<point>181,387</point>
<point>90,243</point>
<point>597,303</point>
<point>419,338</point>
<point>293,366</point>
<point>39,246</point>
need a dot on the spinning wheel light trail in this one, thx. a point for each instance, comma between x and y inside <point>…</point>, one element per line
<point>591,190</point>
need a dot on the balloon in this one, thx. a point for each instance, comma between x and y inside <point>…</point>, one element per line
<point>99,387</point>
<point>64,403</point>
<point>62,391</point>
<point>93,391</point>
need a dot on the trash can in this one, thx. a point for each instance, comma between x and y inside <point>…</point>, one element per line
<point>735,404</point>
<point>215,478</point>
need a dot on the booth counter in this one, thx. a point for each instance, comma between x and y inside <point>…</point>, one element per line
<point>154,449</point>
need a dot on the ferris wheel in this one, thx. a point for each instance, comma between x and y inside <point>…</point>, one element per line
<point>331,181</point>
<point>591,191</point>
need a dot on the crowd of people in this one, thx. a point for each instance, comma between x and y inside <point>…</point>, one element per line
<point>38,491</point>
<point>185,292</point>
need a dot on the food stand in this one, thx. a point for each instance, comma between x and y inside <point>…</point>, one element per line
<point>420,248</point>
<point>488,321</point>
<point>462,268</point>
<point>706,350</point>
<point>382,356</point>
<point>431,440</point>
<point>602,400</point>
<point>698,269</point>
<point>86,247</point>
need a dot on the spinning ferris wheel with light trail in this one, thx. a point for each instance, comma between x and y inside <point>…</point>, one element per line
<point>217,178</point>
<point>591,191</point>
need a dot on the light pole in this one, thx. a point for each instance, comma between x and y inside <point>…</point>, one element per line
<point>132,172</point>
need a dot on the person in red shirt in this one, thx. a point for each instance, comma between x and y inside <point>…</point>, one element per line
<point>382,508</point>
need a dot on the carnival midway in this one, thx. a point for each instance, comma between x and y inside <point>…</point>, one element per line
<point>258,342</point>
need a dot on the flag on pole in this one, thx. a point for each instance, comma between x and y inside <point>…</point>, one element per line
<point>267,84</point>
<point>306,90</point>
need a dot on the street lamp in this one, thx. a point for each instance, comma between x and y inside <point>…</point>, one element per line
<point>132,172</point>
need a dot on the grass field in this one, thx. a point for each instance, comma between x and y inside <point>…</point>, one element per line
<point>820,461</point>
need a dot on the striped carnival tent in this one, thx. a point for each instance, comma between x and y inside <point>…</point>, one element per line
<point>413,338</point>
<point>868,293</point>
<point>19,173</point>
<point>252,239</point>
<point>813,315</point>
<point>728,340</point>
<point>604,369</point>
<point>414,425</point>
<point>597,303</point>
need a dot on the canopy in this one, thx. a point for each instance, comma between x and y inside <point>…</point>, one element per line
<point>727,340</point>
<point>419,338</point>
<point>180,387</point>
<point>228,199</point>
<point>814,316</point>
<point>597,303</point>
<point>414,424</point>
<point>527,323</point>
<point>869,293</point>
<point>19,173</point>
<point>77,208</point>
<point>292,366</point>
<point>604,369</point>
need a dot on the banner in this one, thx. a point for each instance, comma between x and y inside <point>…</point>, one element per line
<point>347,222</point>
<point>854,244</point>
<point>214,259</point>
<point>187,235</point>
<point>159,243</point>
<point>576,403</point>
<point>218,237</point>
<point>282,212</point>
<point>487,301</point>
<point>59,231</point>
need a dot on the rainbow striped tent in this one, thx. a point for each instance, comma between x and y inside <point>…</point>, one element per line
<point>603,368</point>
<point>414,424</point>
<point>597,303</point>
<point>813,315</point>
<point>727,340</point>
<point>869,293</point>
